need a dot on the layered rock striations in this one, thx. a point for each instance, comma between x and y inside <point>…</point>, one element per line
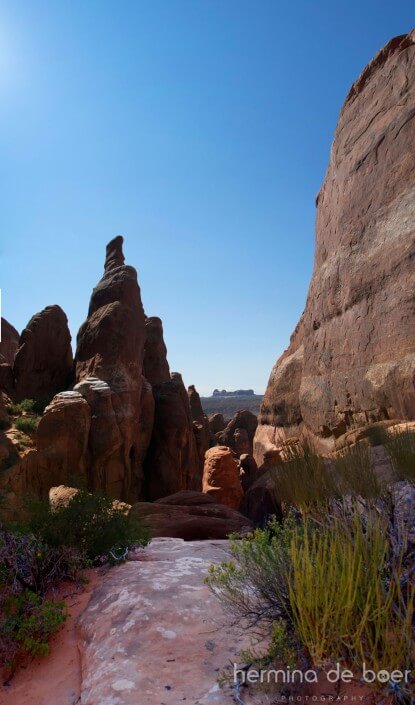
<point>351,360</point>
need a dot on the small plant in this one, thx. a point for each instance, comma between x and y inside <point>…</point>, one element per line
<point>355,472</point>
<point>400,447</point>
<point>27,424</point>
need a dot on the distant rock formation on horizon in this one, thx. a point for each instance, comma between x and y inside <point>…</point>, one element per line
<point>351,359</point>
<point>237,393</point>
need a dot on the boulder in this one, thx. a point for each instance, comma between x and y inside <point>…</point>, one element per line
<point>110,349</point>
<point>43,362</point>
<point>191,516</point>
<point>351,360</point>
<point>172,462</point>
<point>216,423</point>
<point>233,435</point>
<point>9,342</point>
<point>221,477</point>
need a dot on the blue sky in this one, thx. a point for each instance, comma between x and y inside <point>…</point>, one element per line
<point>198,129</point>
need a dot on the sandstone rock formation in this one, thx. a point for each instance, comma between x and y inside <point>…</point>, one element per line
<point>239,433</point>
<point>172,461</point>
<point>221,477</point>
<point>351,359</point>
<point>43,362</point>
<point>9,342</point>
<point>191,516</point>
<point>110,350</point>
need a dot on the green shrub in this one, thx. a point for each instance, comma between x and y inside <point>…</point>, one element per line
<point>27,405</point>
<point>28,569</point>
<point>400,447</point>
<point>30,621</point>
<point>27,424</point>
<point>89,523</point>
<point>355,473</point>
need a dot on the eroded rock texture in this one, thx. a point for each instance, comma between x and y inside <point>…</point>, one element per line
<point>352,357</point>
<point>43,362</point>
<point>221,477</point>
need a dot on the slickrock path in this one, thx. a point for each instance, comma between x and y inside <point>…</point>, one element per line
<point>153,634</point>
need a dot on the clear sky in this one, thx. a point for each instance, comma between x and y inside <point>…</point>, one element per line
<point>198,129</point>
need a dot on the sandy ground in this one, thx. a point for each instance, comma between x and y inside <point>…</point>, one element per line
<point>56,679</point>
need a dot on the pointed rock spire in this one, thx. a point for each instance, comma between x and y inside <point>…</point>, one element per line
<point>114,254</point>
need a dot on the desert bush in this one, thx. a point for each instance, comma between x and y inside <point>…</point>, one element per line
<point>334,584</point>
<point>305,479</point>
<point>253,586</point>
<point>90,523</point>
<point>346,599</point>
<point>27,424</point>
<point>28,569</point>
<point>26,624</point>
<point>400,447</point>
<point>355,473</point>
<point>27,405</point>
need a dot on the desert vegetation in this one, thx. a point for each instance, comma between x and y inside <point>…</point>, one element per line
<point>333,580</point>
<point>50,545</point>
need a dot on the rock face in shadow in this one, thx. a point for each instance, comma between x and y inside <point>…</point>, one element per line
<point>221,477</point>
<point>172,461</point>
<point>156,367</point>
<point>217,423</point>
<point>201,427</point>
<point>43,362</point>
<point>191,516</point>
<point>239,433</point>
<point>351,360</point>
<point>9,342</point>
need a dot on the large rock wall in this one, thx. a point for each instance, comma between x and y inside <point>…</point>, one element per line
<point>352,357</point>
